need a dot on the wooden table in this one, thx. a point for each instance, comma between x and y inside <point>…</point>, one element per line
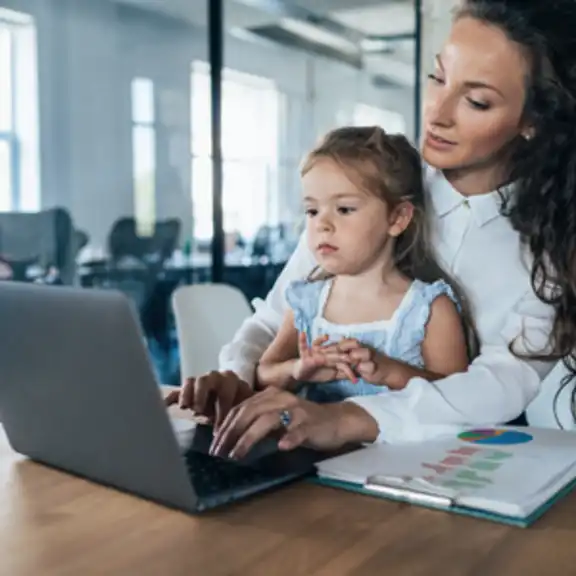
<point>52,524</point>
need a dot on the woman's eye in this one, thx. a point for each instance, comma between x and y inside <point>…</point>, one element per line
<point>436,79</point>
<point>478,105</point>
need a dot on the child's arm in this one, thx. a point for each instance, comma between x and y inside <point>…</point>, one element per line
<point>277,363</point>
<point>443,349</point>
<point>289,360</point>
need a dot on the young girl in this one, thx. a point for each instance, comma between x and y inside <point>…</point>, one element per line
<point>377,291</point>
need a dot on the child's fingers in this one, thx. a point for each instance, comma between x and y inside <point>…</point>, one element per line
<point>348,344</point>
<point>328,349</point>
<point>347,371</point>
<point>333,348</point>
<point>366,368</point>
<point>302,343</point>
<point>331,356</point>
<point>319,341</point>
<point>360,355</point>
<point>341,346</point>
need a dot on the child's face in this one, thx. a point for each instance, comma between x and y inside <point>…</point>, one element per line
<point>347,229</point>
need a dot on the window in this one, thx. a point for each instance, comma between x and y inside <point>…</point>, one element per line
<point>6,79</point>
<point>392,122</point>
<point>144,154</point>
<point>6,176</point>
<point>250,134</point>
<point>8,186</point>
<point>19,141</point>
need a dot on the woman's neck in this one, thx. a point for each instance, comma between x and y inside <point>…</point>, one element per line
<point>476,181</point>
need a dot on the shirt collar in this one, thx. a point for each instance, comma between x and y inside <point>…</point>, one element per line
<point>446,199</point>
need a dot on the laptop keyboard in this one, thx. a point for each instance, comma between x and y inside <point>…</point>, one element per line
<point>212,475</point>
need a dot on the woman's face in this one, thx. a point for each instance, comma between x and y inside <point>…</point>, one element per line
<point>475,99</point>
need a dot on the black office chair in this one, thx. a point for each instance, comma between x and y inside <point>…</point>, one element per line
<point>165,239</point>
<point>41,239</point>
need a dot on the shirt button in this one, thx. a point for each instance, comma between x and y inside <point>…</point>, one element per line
<point>466,203</point>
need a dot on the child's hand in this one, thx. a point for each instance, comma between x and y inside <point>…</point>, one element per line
<point>371,366</point>
<point>317,363</point>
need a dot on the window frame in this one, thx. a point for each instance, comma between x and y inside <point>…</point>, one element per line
<point>138,125</point>
<point>10,136</point>
<point>266,166</point>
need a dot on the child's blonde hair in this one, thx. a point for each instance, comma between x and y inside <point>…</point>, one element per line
<point>388,166</point>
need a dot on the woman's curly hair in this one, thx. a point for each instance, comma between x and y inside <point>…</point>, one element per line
<point>543,207</point>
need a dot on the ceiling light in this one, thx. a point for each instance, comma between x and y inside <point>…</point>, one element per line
<point>318,35</point>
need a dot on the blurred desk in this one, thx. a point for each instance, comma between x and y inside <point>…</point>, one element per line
<point>150,287</point>
<point>53,524</point>
<point>253,276</point>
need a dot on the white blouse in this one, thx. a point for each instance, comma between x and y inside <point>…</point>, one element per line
<point>481,251</point>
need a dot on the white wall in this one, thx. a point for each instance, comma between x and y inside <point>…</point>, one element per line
<point>437,16</point>
<point>84,141</point>
<point>89,51</point>
<point>437,19</point>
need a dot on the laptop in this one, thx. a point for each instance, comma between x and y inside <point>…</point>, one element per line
<point>78,393</point>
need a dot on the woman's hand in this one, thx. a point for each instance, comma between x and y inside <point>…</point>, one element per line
<point>320,363</point>
<point>212,395</point>
<point>323,427</point>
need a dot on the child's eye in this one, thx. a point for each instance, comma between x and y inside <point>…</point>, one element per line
<point>311,212</point>
<point>346,210</point>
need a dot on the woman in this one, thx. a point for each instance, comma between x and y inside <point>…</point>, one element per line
<point>500,107</point>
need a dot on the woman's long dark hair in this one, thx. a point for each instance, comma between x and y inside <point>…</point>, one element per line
<point>543,207</point>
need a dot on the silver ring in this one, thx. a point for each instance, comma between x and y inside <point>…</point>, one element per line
<point>285,418</point>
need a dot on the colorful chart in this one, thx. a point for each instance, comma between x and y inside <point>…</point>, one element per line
<point>492,436</point>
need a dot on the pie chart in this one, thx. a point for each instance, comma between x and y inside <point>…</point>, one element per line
<point>495,436</point>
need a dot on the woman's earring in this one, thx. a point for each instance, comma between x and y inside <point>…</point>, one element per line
<point>527,136</point>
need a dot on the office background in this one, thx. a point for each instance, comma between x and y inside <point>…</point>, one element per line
<point>106,148</point>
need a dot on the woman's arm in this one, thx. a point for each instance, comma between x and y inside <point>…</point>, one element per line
<point>257,332</point>
<point>276,366</point>
<point>496,388</point>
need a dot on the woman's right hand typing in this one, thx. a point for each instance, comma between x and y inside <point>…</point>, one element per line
<point>212,395</point>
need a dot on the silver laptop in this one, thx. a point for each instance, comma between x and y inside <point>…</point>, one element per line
<point>78,393</point>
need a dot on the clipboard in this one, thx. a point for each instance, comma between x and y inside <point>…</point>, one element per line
<point>383,487</point>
